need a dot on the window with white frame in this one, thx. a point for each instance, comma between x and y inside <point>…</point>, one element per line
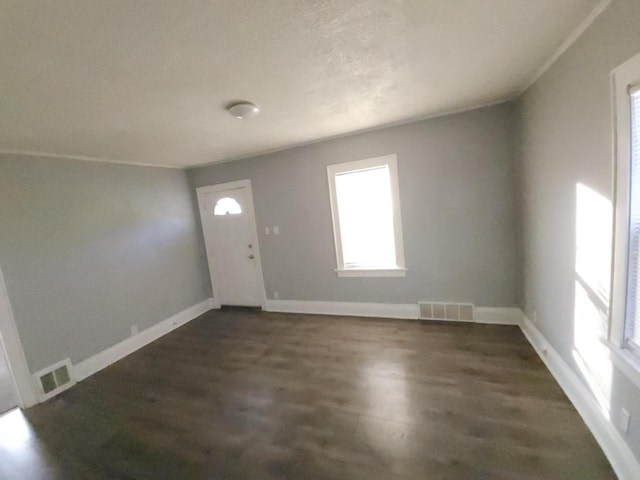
<point>625,313</point>
<point>365,204</point>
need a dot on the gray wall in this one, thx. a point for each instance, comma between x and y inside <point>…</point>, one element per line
<point>89,249</point>
<point>458,215</point>
<point>565,140</point>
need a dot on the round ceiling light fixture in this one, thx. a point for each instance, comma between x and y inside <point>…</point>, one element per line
<point>243,110</point>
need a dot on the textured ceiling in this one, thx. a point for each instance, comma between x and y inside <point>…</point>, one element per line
<point>145,81</point>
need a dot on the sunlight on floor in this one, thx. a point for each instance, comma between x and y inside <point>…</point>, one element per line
<point>15,431</point>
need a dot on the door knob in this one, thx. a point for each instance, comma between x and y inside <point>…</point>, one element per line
<point>251,257</point>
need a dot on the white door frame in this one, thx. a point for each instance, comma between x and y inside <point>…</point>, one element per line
<point>10,341</point>
<point>251,215</point>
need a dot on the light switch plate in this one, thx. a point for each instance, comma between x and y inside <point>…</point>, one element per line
<point>276,230</point>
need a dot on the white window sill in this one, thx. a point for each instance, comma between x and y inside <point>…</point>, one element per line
<point>627,363</point>
<point>371,272</point>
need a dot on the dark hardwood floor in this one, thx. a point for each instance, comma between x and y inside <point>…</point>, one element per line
<point>241,394</point>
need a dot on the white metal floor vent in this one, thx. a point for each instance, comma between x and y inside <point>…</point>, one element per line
<point>453,312</point>
<point>54,379</point>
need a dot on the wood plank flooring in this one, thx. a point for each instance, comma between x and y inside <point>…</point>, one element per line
<point>242,394</point>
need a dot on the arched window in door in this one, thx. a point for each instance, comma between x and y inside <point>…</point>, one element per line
<point>227,206</point>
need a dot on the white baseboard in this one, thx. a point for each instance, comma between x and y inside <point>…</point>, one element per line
<point>94,364</point>
<point>498,316</point>
<point>502,316</point>
<point>386,310</point>
<point>613,445</point>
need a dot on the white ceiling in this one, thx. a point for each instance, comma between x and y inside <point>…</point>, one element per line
<point>146,81</point>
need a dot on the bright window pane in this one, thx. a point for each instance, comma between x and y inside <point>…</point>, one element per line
<point>632,325</point>
<point>227,206</point>
<point>365,210</point>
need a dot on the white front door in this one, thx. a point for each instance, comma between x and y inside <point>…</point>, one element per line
<point>229,228</point>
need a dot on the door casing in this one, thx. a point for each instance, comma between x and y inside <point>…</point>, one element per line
<point>213,272</point>
<point>14,353</point>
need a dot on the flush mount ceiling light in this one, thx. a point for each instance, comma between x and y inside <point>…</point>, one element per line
<point>243,110</point>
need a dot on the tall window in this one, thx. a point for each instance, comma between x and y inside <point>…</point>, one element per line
<point>625,312</point>
<point>365,204</point>
<point>632,321</point>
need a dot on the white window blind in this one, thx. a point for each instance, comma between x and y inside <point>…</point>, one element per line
<point>632,323</point>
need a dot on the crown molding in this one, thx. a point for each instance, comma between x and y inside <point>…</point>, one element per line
<point>83,158</point>
<point>564,46</point>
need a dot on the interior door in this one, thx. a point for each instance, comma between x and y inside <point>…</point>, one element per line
<point>232,245</point>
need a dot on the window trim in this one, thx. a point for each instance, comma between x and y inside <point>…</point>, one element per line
<point>624,80</point>
<point>332,170</point>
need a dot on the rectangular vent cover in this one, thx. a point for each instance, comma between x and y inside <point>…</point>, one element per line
<point>456,312</point>
<point>54,379</point>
